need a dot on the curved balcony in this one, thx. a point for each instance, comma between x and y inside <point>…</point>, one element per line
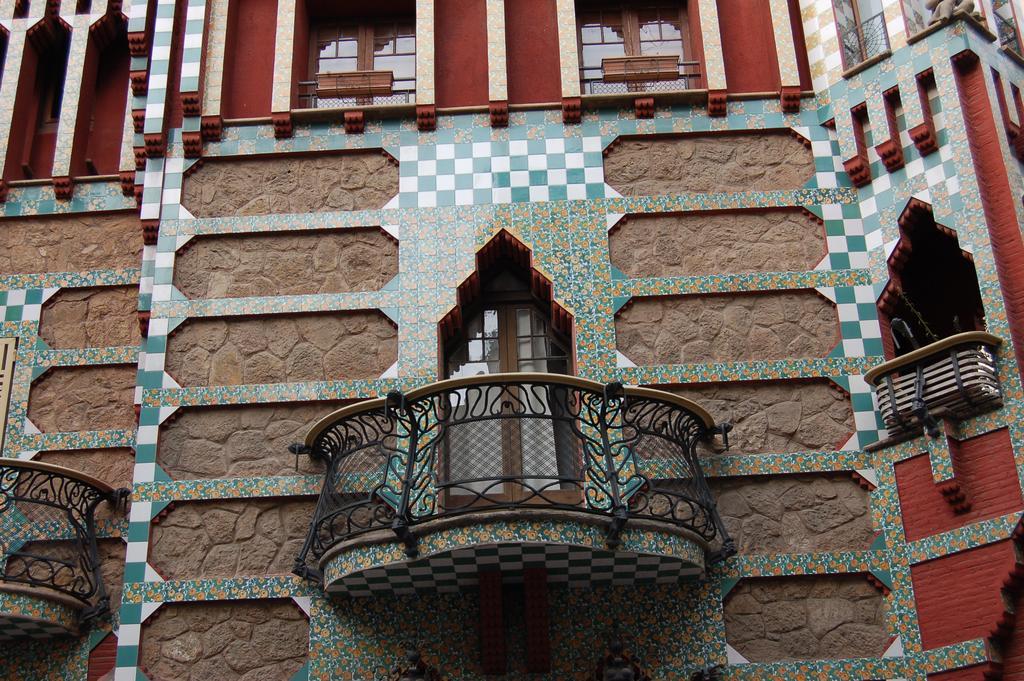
<point>510,470</point>
<point>956,377</point>
<point>51,570</point>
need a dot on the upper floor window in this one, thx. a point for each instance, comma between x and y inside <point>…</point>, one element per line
<point>361,63</point>
<point>634,47</point>
<point>862,30</point>
<point>1006,25</point>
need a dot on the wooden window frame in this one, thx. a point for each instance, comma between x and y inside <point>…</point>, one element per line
<point>629,15</point>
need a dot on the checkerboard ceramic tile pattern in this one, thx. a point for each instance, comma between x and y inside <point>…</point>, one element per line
<point>569,565</point>
<point>465,173</point>
<point>12,628</point>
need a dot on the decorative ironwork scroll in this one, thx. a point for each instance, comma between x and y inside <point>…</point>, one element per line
<point>509,441</point>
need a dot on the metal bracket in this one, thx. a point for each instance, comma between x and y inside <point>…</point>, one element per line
<point>308,573</point>
<point>411,541</point>
<point>723,429</point>
<point>613,537</point>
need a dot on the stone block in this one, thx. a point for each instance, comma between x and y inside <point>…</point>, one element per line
<point>91,318</point>
<point>70,243</point>
<point>113,466</point>
<point>291,184</point>
<point>777,416</point>
<point>795,513</point>
<point>286,263</point>
<point>727,162</point>
<point>67,399</point>
<point>227,442</point>
<point>228,640</point>
<point>720,242</point>
<point>773,619</point>
<point>282,348</point>
<point>230,538</point>
<point>727,327</point>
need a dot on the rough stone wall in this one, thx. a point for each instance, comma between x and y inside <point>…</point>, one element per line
<point>708,163</point>
<point>279,349</point>
<point>777,416</point>
<point>795,513</point>
<point>805,618</point>
<point>720,242</point>
<point>112,466</point>
<point>226,442</point>
<point>286,263</point>
<point>300,184</point>
<point>111,553</point>
<point>230,538</point>
<point>229,641</point>
<point>83,398</point>
<point>71,243</point>
<point>727,328</point>
<point>91,318</point>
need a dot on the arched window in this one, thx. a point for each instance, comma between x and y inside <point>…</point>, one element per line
<point>507,322</point>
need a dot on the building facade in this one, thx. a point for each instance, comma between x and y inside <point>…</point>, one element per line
<point>521,339</point>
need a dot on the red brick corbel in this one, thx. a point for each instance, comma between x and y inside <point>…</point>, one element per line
<point>3,190</point>
<point>499,114</point>
<point>139,82</point>
<point>144,317</point>
<point>138,45</point>
<point>190,104</point>
<point>138,120</point>
<point>643,107</point>
<point>282,124</point>
<point>138,195</point>
<point>426,117</point>
<point>789,98</point>
<point>193,144</point>
<point>891,153</point>
<point>156,144</point>
<point>212,128</point>
<point>63,187</point>
<point>127,178</point>
<point>355,122</point>
<point>150,232</point>
<point>924,138</point>
<point>572,110</point>
<point>859,170</point>
<point>716,102</point>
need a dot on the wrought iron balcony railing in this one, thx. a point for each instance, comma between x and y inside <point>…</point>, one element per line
<point>510,441</point>
<point>863,41</point>
<point>48,532</point>
<point>955,377</point>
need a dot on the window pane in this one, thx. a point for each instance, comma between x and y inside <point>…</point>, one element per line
<point>383,45</point>
<point>348,48</point>
<point>491,323</point>
<point>523,325</point>
<point>403,66</point>
<point>524,349</point>
<point>612,33</point>
<point>336,65</point>
<point>327,50</point>
<point>593,54</point>
<point>406,45</point>
<point>662,47</point>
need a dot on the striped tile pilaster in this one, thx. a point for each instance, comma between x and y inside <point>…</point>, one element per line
<point>127,162</point>
<point>72,94</point>
<point>822,42</point>
<point>784,45</point>
<point>714,64</point>
<point>195,24</point>
<point>568,56</point>
<point>425,52</point>
<point>497,73</point>
<point>156,96</point>
<point>217,28</point>
<point>281,97</point>
<point>12,68</point>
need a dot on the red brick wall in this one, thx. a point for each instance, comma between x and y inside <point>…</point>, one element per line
<point>102,658</point>
<point>986,473</point>
<point>959,597</point>
<point>1013,647</point>
<point>975,673</point>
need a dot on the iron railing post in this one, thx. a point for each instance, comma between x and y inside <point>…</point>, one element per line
<point>400,525</point>
<point>620,513</point>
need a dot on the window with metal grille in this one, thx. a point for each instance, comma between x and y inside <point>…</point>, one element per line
<point>361,63</point>
<point>862,30</point>
<point>634,47</point>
